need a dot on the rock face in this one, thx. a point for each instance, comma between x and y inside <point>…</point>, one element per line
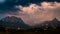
<point>13,22</point>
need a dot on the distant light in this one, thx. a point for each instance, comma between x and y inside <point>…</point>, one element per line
<point>2,1</point>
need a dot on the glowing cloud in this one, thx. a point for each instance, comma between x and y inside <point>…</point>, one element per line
<point>35,14</point>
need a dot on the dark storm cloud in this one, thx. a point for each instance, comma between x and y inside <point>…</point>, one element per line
<point>9,5</point>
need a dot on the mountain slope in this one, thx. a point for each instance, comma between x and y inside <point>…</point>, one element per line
<point>53,23</point>
<point>13,22</point>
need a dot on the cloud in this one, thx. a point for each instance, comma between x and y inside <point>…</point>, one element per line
<point>9,5</point>
<point>35,14</point>
<point>32,12</point>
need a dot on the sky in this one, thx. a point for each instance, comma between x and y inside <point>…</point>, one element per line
<point>31,11</point>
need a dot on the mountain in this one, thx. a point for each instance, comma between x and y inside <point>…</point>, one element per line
<point>53,23</point>
<point>13,22</point>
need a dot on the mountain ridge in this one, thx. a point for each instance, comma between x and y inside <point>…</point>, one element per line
<point>13,22</point>
<point>55,22</point>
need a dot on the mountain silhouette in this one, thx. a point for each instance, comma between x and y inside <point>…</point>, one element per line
<point>13,22</point>
<point>53,23</point>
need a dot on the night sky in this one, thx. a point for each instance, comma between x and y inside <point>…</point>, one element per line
<point>31,11</point>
